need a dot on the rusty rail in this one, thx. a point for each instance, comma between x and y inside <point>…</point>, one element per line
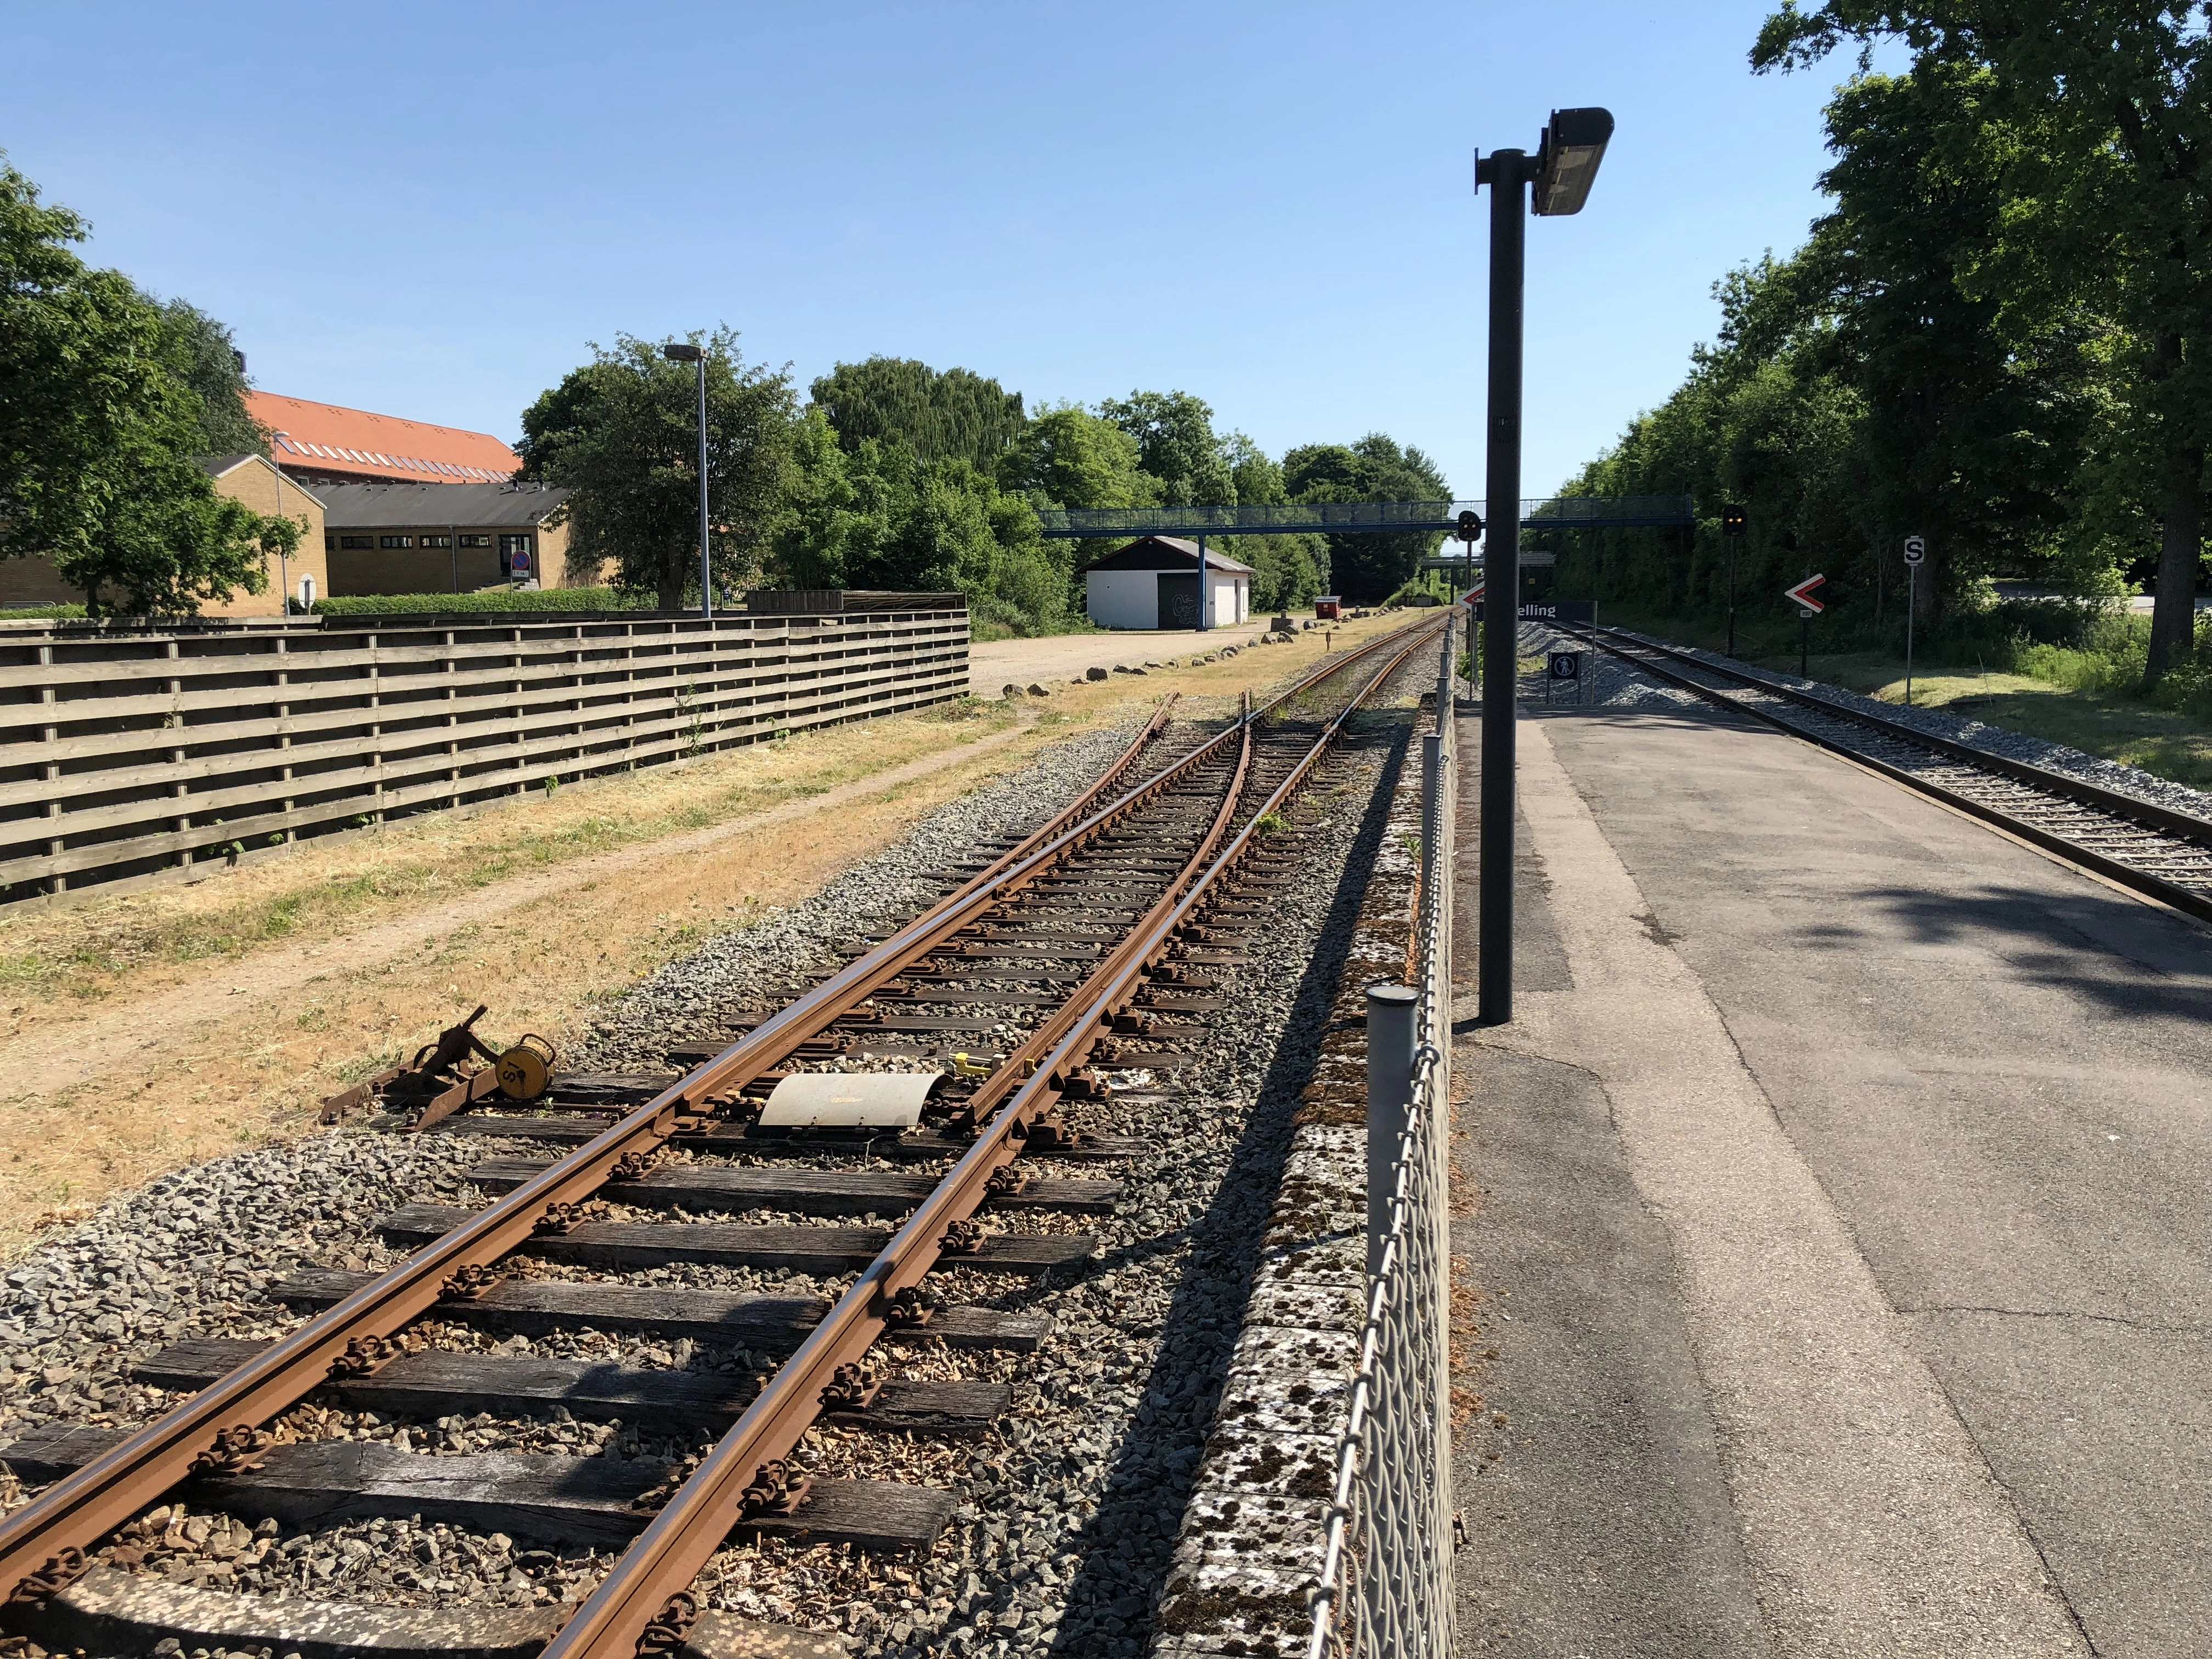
<point>652,1577</point>
<point>79,1509</point>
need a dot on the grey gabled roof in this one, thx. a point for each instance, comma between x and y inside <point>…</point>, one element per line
<point>432,507</point>
<point>1165,553</point>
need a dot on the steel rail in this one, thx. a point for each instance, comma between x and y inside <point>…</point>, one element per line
<point>1075,809</point>
<point>76,1511</point>
<point>2181,825</point>
<point>669,1555</point>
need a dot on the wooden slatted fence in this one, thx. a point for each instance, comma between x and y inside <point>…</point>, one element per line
<point>134,756</point>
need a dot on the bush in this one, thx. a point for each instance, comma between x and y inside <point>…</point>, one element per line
<point>40,613</point>
<point>497,602</point>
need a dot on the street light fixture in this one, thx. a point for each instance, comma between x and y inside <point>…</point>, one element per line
<point>680,352</point>
<point>1561,171</point>
<point>1566,161</point>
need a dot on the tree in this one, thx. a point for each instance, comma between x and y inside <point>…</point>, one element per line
<point>1286,570</point>
<point>2107,207</point>
<point>1367,567</point>
<point>621,432</point>
<point>882,517</point>
<point>1069,457</point>
<point>98,427</point>
<point>1174,433</point>
<point>937,416</point>
<point>209,363</point>
<point>1972,433</point>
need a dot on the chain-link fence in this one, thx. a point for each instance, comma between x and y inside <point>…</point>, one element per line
<point>1386,1585</point>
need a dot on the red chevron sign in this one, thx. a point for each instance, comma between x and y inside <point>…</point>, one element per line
<point>1803,594</point>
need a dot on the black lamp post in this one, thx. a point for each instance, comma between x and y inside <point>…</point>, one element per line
<point>1558,177</point>
<point>678,352</point>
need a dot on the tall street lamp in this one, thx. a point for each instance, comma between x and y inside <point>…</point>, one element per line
<point>284,567</point>
<point>678,352</point>
<point>1561,173</point>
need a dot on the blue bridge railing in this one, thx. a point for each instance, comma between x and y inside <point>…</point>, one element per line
<point>1352,518</point>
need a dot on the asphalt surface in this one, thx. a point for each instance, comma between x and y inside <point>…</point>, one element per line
<point>1846,1166</point>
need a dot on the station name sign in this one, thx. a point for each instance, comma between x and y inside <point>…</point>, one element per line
<point>1567,610</point>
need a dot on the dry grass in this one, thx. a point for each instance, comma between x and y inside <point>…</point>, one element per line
<point>151,1032</point>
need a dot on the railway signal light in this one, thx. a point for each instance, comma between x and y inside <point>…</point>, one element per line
<point>1470,527</point>
<point>1734,522</point>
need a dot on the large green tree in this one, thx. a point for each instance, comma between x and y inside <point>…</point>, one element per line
<point>1367,567</point>
<point>940,415</point>
<point>1971,433</point>
<point>882,517</point>
<point>621,432</point>
<point>1176,445</point>
<point>208,363</point>
<point>1287,571</point>
<point>100,429</point>
<point>2106,208</point>
<point>1069,457</point>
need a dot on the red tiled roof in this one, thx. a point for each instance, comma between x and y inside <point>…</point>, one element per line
<point>356,440</point>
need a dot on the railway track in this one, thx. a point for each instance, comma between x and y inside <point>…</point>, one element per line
<point>2162,854</point>
<point>1093,943</point>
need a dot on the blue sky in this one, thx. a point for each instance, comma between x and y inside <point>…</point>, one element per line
<point>428,211</point>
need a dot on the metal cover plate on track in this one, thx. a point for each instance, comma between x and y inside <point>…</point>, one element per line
<point>848,1100</point>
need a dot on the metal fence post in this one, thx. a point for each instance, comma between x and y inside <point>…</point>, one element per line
<point>1390,1031</point>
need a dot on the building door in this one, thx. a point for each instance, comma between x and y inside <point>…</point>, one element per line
<point>1178,599</point>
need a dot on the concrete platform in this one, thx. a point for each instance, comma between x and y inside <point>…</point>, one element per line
<point>1842,1229</point>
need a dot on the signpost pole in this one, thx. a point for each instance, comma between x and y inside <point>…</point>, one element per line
<point>1916,551</point>
<point>1911,604</point>
<point>706,553</point>
<point>1507,174</point>
<point>1804,641</point>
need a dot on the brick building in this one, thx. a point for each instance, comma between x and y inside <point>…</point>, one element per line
<point>443,539</point>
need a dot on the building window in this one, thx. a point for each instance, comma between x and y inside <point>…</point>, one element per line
<point>329,543</point>
<point>397,541</point>
<point>511,545</point>
<point>476,541</point>
<point>359,542</point>
<point>435,541</point>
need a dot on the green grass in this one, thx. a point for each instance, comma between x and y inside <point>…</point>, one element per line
<point>2087,697</point>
